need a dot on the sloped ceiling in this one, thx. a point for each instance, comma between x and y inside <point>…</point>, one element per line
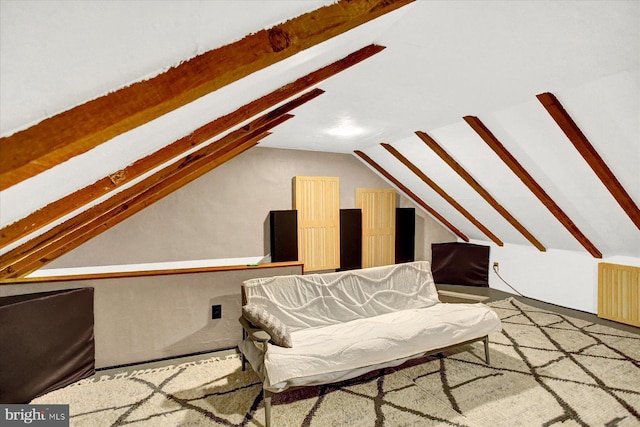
<point>442,62</point>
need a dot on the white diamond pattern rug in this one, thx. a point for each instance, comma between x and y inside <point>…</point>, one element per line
<point>546,370</point>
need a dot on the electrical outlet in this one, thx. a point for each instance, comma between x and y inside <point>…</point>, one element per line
<point>496,266</point>
<point>216,311</point>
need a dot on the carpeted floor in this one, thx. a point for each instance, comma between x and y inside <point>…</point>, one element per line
<point>546,369</point>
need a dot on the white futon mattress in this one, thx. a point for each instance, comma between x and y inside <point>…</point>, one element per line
<point>326,354</point>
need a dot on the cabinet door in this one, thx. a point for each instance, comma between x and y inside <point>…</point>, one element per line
<point>317,200</point>
<point>378,225</point>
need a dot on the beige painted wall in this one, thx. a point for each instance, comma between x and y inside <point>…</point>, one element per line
<point>146,318</point>
<point>224,213</point>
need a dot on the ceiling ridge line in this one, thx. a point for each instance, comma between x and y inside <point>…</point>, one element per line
<point>435,187</point>
<point>473,183</point>
<point>588,152</point>
<point>411,194</point>
<point>501,151</point>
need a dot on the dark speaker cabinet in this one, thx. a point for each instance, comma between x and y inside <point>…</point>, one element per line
<point>405,235</point>
<point>47,343</point>
<point>460,264</point>
<point>350,239</point>
<point>283,235</point>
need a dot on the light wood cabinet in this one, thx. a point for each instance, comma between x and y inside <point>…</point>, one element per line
<point>317,200</point>
<point>378,225</point>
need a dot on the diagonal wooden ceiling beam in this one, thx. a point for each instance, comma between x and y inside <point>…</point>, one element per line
<point>68,204</point>
<point>411,195</point>
<point>531,183</point>
<point>65,135</point>
<point>590,155</point>
<point>416,170</point>
<point>44,248</point>
<point>104,222</point>
<point>457,167</point>
<point>80,198</point>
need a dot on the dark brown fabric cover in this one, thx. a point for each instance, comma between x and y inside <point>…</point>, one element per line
<point>47,342</point>
<point>460,264</point>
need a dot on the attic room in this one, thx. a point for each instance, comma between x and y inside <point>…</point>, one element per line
<point>148,148</point>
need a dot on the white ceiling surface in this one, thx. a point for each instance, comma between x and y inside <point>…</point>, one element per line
<point>128,147</point>
<point>444,60</point>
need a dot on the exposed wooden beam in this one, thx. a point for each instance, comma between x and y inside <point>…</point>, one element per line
<point>56,139</point>
<point>68,204</point>
<point>590,155</point>
<point>80,198</point>
<point>531,183</point>
<point>416,170</point>
<point>457,167</point>
<point>44,248</point>
<point>99,224</point>
<point>411,195</point>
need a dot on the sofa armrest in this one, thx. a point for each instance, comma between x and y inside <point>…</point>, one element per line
<point>255,334</point>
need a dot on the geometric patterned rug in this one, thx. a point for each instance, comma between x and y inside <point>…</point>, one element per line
<point>546,369</point>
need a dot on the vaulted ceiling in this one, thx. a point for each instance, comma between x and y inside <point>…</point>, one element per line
<point>511,122</point>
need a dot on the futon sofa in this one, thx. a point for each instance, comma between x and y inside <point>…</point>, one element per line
<point>302,330</point>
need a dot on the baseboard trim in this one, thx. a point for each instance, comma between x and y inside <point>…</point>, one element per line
<point>460,295</point>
